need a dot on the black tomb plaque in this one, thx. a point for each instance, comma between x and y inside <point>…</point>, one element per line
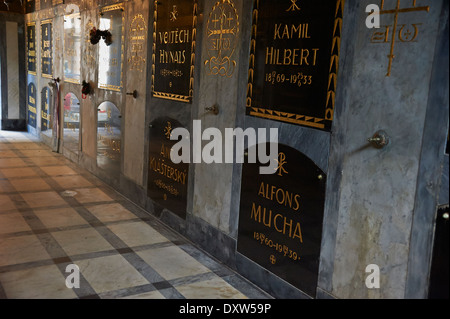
<point>45,108</point>
<point>294,61</point>
<point>46,49</point>
<point>167,182</point>
<point>174,49</point>
<point>31,105</point>
<point>281,217</point>
<point>31,48</point>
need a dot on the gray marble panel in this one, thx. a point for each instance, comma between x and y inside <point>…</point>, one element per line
<point>376,188</point>
<point>12,56</point>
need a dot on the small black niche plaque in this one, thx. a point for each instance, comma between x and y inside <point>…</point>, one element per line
<point>45,108</point>
<point>46,49</point>
<point>31,105</point>
<point>167,182</point>
<point>281,217</point>
<point>294,61</point>
<point>31,52</point>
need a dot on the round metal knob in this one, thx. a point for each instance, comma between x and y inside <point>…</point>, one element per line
<point>213,109</point>
<point>379,140</point>
<point>134,94</point>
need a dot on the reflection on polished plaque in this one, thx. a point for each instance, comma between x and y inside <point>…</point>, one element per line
<point>110,57</point>
<point>109,137</point>
<point>71,133</point>
<point>281,217</point>
<point>31,105</point>
<point>46,96</point>
<point>294,61</point>
<point>72,48</point>
<point>167,182</point>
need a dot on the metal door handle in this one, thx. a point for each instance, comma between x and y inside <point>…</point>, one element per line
<point>134,94</point>
<point>213,109</point>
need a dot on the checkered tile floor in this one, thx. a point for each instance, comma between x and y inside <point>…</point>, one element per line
<point>53,214</point>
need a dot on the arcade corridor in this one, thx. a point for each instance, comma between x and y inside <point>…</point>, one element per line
<point>53,214</point>
<point>262,149</point>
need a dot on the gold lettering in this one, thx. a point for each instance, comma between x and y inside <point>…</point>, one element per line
<point>304,58</point>
<point>269,55</point>
<point>290,227</point>
<point>287,58</point>
<point>178,57</point>
<point>165,151</point>
<point>279,195</point>
<point>284,32</point>
<point>256,213</point>
<point>297,207</point>
<point>275,223</point>
<point>291,56</point>
<point>282,224</point>
<point>174,174</point>
<point>268,222</point>
<point>32,109</point>
<point>298,232</point>
<point>174,36</point>
<point>277,31</point>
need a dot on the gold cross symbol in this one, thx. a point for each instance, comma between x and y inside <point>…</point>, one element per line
<point>273,260</point>
<point>215,21</point>
<point>396,13</point>
<point>293,6</point>
<point>168,130</point>
<point>281,162</point>
<point>174,14</point>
